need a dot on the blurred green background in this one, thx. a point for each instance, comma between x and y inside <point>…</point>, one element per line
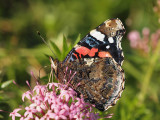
<point>22,50</point>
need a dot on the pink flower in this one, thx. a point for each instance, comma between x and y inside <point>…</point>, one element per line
<point>134,37</point>
<point>67,94</point>
<point>37,99</point>
<point>94,117</point>
<point>144,43</point>
<point>49,115</point>
<point>49,97</point>
<point>40,89</point>
<point>146,31</point>
<point>27,95</point>
<point>15,114</point>
<point>154,39</point>
<point>54,101</point>
<point>29,112</point>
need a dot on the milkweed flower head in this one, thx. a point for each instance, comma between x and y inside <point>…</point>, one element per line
<point>54,101</point>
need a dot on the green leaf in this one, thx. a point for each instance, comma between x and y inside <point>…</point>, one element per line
<point>56,49</point>
<point>47,55</point>
<point>78,39</point>
<point>65,47</point>
<point>6,83</point>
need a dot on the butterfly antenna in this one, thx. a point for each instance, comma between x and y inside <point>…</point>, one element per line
<point>46,43</point>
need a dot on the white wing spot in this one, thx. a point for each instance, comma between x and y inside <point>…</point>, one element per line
<point>89,61</point>
<point>110,39</point>
<point>107,46</point>
<point>98,35</point>
<point>119,24</point>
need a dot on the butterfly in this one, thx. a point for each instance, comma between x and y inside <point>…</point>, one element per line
<point>96,62</point>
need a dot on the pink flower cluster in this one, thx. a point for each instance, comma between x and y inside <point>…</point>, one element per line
<point>54,101</point>
<point>146,42</point>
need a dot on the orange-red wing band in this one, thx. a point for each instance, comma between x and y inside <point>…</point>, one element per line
<point>75,55</point>
<point>82,50</point>
<point>92,52</point>
<point>85,51</point>
<point>104,54</point>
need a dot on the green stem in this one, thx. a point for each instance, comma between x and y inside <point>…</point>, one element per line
<point>149,72</point>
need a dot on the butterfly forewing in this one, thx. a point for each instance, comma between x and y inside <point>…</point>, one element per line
<point>103,41</point>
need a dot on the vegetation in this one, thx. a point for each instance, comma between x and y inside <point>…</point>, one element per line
<point>22,50</point>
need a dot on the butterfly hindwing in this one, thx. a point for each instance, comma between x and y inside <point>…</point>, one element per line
<point>100,81</point>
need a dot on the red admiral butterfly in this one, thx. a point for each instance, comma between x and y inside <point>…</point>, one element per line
<point>96,61</point>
